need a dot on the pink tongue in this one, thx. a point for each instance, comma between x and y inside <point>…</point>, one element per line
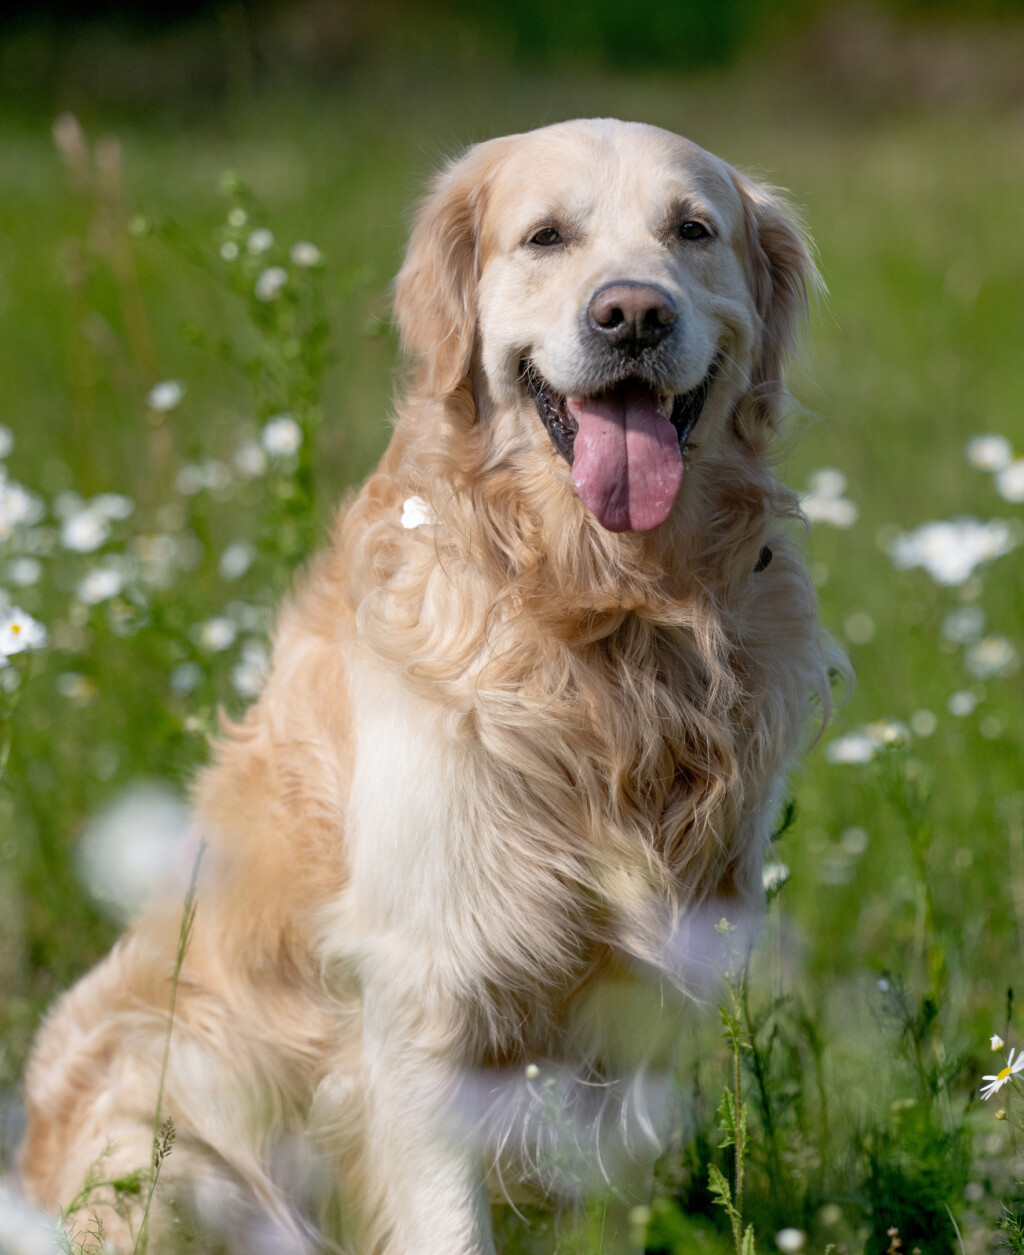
<point>626,466</point>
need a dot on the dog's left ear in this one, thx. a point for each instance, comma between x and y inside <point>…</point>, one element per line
<point>782,275</point>
<point>435,291</point>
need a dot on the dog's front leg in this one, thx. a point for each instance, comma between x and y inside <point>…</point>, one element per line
<point>426,1177</point>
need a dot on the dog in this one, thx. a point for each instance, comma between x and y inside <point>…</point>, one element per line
<point>529,713</point>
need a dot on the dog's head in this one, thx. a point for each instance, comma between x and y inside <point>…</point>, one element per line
<point>619,300</point>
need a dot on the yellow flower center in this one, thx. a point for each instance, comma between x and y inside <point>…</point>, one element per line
<point>1003,1075</point>
<point>15,628</point>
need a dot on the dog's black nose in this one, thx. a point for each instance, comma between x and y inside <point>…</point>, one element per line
<point>632,316</point>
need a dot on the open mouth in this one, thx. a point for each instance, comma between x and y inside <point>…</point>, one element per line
<point>625,445</point>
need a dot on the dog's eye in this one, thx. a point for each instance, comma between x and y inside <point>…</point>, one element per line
<point>546,237</point>
<point>693,230</point>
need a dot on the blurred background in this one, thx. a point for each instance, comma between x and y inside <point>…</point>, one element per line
<point>143,151</point>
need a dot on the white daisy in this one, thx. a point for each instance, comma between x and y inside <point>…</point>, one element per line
<point>260,240</point>
<point>992,656</point>
<point>305,254</point>
<point>1010,481</point>
<point>85,531</point>
<point>824,501</point>
<point>950,550</point>
<point>24,572</point>
<point>989,453</point>
<point>854,747</point>
<point>774,876</point>
<point>962,703</point>
<point>282,436</point>
<point>996,1042</point>
<point>217,634</point>
<point>250,674</point>
<point>18,506</point>
<point>271,283</point>
<point>113,505</point>
<point>249,459</point>
<point>100,584</point>
<point>19,632</point>
<point>236,560</point>
<point>996,1083</point>
<point>165,396</point>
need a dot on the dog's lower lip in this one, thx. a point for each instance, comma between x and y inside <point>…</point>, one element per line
<point>686,407</point>
<point>560,424</point>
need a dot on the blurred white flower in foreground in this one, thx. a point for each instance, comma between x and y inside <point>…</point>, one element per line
<point>282,436</point>
<point>133,848</point>
<point>271,283</point>
<point>229,250</point>
<point>824,501</point>
<point>165,396</point>
<point>238,217</point>
<point>305,254</point>
<point>6,440</point>
<point>997,1082</point>
<point>989,452</point>
<point>1010,481</point>
<point>950,550</point>
<point>790,1241</point>
<point>20,632</point>
<point>100,584</point>
<point>24,1230</point>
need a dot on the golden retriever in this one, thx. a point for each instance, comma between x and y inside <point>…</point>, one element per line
<point>527,713</point>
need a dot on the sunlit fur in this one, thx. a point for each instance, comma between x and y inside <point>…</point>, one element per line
<point>499,755</point>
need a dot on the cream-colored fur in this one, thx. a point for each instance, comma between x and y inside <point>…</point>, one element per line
<point>500,754</point>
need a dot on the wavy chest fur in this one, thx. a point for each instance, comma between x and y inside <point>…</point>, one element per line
<point>523,803</point>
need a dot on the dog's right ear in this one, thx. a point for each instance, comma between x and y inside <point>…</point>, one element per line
<point>435,292</point>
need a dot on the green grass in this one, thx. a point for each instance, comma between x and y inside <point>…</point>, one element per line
<point>862,1101</point>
